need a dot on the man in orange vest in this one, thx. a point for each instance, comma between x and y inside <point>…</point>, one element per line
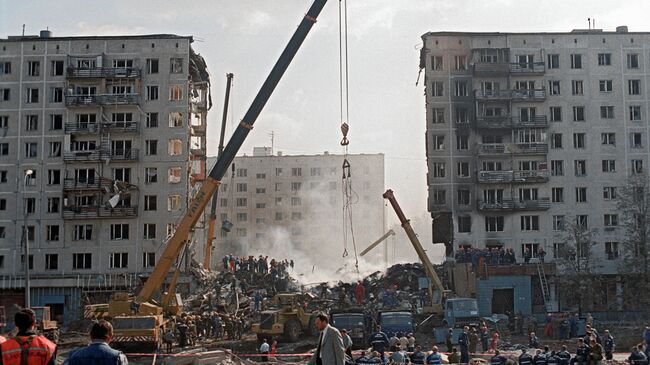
<point>27,348</point>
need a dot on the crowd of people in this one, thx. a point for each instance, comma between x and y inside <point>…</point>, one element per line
<point>187,330</point>
<point>479,257</point>
<point>252,264</point>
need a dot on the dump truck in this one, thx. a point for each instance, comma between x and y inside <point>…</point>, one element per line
<point>356,321</point>
<point>287,318</point>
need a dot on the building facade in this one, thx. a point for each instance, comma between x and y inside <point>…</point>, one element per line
<point>102,144</point>
<point>530,134</point>
<point>284,205</point>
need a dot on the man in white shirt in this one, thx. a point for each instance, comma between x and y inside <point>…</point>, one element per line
<point>264,349</point>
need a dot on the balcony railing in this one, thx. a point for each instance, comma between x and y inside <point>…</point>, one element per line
<point>90,184</point>
<point>530,148</point>
<point>93,155</point>
<point>198,130</point>
<point>507,121</point>
<point>510,204</point>
<point>131,126</point>
<point>485,68</point>
<point>515,95</point>
<point>531,176</point>
<point>538,121</point>
<point>487,95</point>
<point>130,154</point>
<point>528,68</point>
<point>524,176</point>
<point>495,177</point>
<point>76,127</point>
<point>102,99</point>
<point>491,148</point>
<point>90,212</point>
<point>103,72</point>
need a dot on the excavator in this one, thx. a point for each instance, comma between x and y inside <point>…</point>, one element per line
<point>141,317</point>
<point>442,309</point>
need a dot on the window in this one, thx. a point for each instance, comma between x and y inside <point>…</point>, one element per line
<point>3,204</point>
<point>576,61</point>
<point>578,113</point>
<point>83,232</point>
<point>296,201</point>
<point>278,171</point>
<point>637,166</point>
<point>438,142</point>
<point>462,169</point>
<point>4,149</point>
<point>32,96</point>
<point>241,202</point>
<point>175,119</point>
<point>150,202</point>
<point>278,216</point>
<point>173,202</point>
<point>529,222</point>
<point>555,113</point>
<point>171,227</point>
<point>175,92</point>
<point>558,223</point>
<point>462,142</point>
<point>296,216</point>
<point>242,172</point>
<point>33,68</point>
<point>635,113</point>
<point>439,196</point>
<point>260,191</point>
<point>31,122</point>
<point>174,175</point>
<point>438,169</point>
<point>56,95</point>
<point>3,176</point>
<point>533,248</point>
<point>118,260</point>
<point>460,62</point>
<point>31,149</point>
<point>634,87</point>
<point>260,205</point>
<point>151,175</point>
<point>581,195</point>
<point>242,217</point>
<point>553,61</point>
<point>31,261</point>
<point>241,187</point>
<point>462,115</point>
<point>437,89</point>
<point>580,167</point>
<point>119,231</point>
<point>577,87</point>
<point>149,231</point>
<point>436,63</point>
<point>176,65</point>
<point>5,68</point>
<point>152,92</point>
<point>464,224</point>
<point>148,259</point>
<point>609,165</point>
<point>609,193</point>
<point>81,261</point>
<point>607,112</point>
<point>263,176</point>
<point>557,195</point>
<point>296,171</point>
<point>175,147</point>
<point>52,233</point>
<point>122,174</point>
<point>296,186</point>
<point>53,177</point>
<point>4,121</point>
<point>610,220</point>
<point>51,261</point>
<point>438,115</point>
<point>611,250</point>
<point>56,122</point>
<point>242,232</point>
<point>29,205</point>
<point>557,168</point>
<point>554,87</point>
<point>494,224</point>
<point>152,120</point>
<point>152,65</point>
<point>5,94</point>
<point>579,140</point>
<point>151,147</point>
<point>460,88</point>
<point>605,86</point>
<point>463,197</point>
<point>604,59</point>
<point>53,204</point>
<point>556,140</point>
<point>636,140</point>
<point>632,60</point>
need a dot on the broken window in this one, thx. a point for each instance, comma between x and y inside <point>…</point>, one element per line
<point>176,65</point>
<point>175,92</point>
<point>175,147</point>
<point>175,119</point>
<point>151,174</point>
<point>174,175</point>
<point>173,202</point>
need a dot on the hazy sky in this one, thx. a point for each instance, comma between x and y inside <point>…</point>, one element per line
<point>245,37</point>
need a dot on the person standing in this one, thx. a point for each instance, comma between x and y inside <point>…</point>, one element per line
<point>525,358</point>
<point>330,344</point>
<point>498,359</point>
<point>399,357</point>
<point>27,347</point>
<point>448,339</point>
<point>274,349</point>
<point>485,336</point>
<point>264,350</point>
<point>418,357</point>
<point>463,343</point>
<point>99,351</point>
<point>533,341</point>
<point>608,345</point>
<point>582,353</point>
<point>564,356</point>
<point>573,325</point>
<point>473,340</point>
<point>548,326</point>
<point>595,352</point>
<point>378,341</point>
<point>434,357</point>
<point>360,293</point>
<point>347,342</point>
<point>168,339</point>
<point>453,358</point>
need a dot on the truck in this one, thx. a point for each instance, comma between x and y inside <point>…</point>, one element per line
<point>394,322</point>
<point>142,333</point>
<point>45,325</point>
<point>357,323</point>
<point>441,309</point>
<point>286,318</point>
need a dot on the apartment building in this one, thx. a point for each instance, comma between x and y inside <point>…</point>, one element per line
<point>102,143</point>
<point>283,205</point>
<point>530,133</point>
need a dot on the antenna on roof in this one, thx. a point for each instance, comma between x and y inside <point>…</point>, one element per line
<point>23,30</point>
<point>589,21</point>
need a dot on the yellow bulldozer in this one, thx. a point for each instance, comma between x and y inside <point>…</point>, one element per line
<point>288,318</point>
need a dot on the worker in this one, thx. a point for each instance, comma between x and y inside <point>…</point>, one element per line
<point>182,334</point>
<point>533,341</point>
<point>27,347</point>
<point>411,345</point>
<point>453,357</point>
<point>608,345</point>
<point>449,338</point>
<point>168,339</point>
<point>434,357</point>
<point>637,357</point>
<point>264,350</point>
<point>495,341</point>
<point>539,358</point>
<point>485,336</point>
<point>473,340</point>
<point>399,357</point>
<point>347,342</point>
<point>498,359</point>
<point>564,356</point>
<point>552,359</point>
<point>595,352</point>
<point>378,341</point>
<point>98,351</point>
<point>360,293</point>
<point>463,342</point>
<point>548,326</point>
<point>582,353</point>
<point>525,358</point>
<point>393,342</point>
<point>418,357</point>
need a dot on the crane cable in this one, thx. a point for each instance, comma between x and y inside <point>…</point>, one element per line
<point>346,188</point>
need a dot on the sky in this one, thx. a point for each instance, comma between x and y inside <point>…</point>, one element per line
<point>386,109</point>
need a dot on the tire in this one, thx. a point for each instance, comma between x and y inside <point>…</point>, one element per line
<point>292,330</point>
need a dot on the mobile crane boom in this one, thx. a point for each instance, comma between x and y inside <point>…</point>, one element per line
<point>201,199</point>
<point>436,289</point>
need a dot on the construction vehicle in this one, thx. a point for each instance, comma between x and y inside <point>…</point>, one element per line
<point>45,325</point>
<point>393,322</point>
<point>356,321</point>
<point>135,325</point>
<point>286,318</point>
<point>143,305</point>
<point>440,310</point>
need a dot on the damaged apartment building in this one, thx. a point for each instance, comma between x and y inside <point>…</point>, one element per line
<point>529,136</point>
<point>103,142</point>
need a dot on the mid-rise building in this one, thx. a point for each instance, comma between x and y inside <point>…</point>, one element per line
<point>102,143</point>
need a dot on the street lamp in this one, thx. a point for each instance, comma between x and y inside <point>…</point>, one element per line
<point>28,173</point>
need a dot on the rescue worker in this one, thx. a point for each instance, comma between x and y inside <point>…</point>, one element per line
<point>360,293</point>
<point>448,339</point>
<point>539,358</point>
<point>637,357</point>
<point>463,342</point>
<point>498,359</point>
<point>553,359</point>
<point>473,340</point>
<point>182,334</point>
<point>608,345</point>
<point>418,357</point>
<point>399,357</point>
<point>411,345</point>
<point>564,356</point>
<point>434,357</point>
<point>525,358</point>
<point>393,342</point>
<point>595,352</point>
<point>264,350</point>
<point>98,351</point>
<point>379,341</point>
<point>403,341</point>
<point>168,339</point>
<point>582,353</point>
<point>533,341</point>
<point>347,342</point>
<point>485,337</point>
<point>453,358</point>
<point>27,347</point>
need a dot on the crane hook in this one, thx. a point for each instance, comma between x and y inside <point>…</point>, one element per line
<point>344,129</point>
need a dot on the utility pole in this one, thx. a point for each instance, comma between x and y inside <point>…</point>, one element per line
<point>28,303</point>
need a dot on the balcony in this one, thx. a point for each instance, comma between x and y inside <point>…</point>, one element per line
<point>103,73</point>
<point>531,176</point>
<point>538,121</point>
<point>514,205</point>
<point>506,177</point>
<point>76,127</point>
<point>491,69</point>
<point>102,99</point>
<point>495,177</point>
<point>91,184</point>
<point>507,122</point>
<point>198,151</point>
<point>89,155</point>
<point>528,94</point>
<point>91,212</point>
<point>530,148</point>
<point>120,127</point>
<point>130,154</point>
<point>492,95</point>
<point>199,129</point>
<point>528,68</point>
<point>486,149</point>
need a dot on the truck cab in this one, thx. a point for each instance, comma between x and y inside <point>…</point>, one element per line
<point>461,312</point>
<point>393,322</point>
<point>356,322</point>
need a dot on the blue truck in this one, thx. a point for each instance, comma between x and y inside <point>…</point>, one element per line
<point>394,322</point>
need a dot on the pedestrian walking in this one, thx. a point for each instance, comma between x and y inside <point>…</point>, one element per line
<point>330,344</point>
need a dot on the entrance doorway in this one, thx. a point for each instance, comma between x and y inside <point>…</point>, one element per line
<point>503,301</point>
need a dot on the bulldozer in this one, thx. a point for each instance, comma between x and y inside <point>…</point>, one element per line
<point>287,317</point>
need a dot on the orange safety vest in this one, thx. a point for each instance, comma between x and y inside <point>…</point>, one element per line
<point>27,350</point>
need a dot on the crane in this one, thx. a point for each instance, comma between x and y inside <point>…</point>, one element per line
<point>378,241</point>
<point>197,205</point>
<point>207,254</point>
